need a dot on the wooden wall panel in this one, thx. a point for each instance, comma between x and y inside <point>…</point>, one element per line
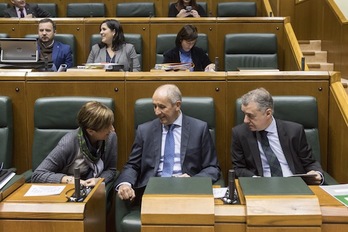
<point>12,84</point>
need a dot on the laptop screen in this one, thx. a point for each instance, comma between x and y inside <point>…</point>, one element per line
<point>18,50</point>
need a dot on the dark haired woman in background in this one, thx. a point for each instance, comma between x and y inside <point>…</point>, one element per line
<point>186,8</point>
<point>185,51</point>
<point>113,47</point>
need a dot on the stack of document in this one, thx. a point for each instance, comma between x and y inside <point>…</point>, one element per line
<point>174,66</point>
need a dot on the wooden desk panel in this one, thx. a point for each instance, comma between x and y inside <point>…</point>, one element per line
<point>53,213</point>
<point>12,84</point>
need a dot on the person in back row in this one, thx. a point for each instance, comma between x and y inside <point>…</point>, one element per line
<point>265,146</point>
<point>51,50</point>
<point>186,8</point>
<point>21,9</point>
<point>113,47</point>
<point>185,51</point>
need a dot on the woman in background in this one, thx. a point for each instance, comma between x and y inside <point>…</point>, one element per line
<point>185,51</point>
<point>186,8</point>
<point>113,47</point>
<point>92,148</point>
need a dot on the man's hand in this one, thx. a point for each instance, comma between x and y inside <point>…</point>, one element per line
<point>315,180</point>
<point>125,192</point>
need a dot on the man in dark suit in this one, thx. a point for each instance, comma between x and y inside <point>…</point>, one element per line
<point>286,139</point>
<point>194,154</point>
<point>21,9</point>
<point>50,49</point>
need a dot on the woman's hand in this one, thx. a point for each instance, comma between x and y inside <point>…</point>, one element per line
<point>90,182</point>
<point>194,13</point>
<point>183,13</point>
<point>210,68</point>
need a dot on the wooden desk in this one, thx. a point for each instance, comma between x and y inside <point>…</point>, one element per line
<point>334,215</point>
<point>53,213</point>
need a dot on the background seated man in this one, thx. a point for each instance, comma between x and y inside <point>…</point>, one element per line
<point>21,9</point>
<point>188,152</point>
<point>51,50</point>
<point>265,146</point>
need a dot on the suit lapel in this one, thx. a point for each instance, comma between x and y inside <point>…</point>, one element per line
<point>185,134</point>
<point>157,141</point>
<point>255,152</point>
<point>285,144</point>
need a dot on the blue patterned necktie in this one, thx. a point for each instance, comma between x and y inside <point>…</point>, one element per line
<point>169,149</point>
<point>273,161</point>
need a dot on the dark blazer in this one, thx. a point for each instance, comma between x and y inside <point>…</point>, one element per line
<point>199,57</point>
<point>246,155</point>
<point>198,155</point>
<point>61,54</point>
<point>33,9</point>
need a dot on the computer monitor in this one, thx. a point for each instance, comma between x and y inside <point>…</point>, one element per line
<point>18,50</point>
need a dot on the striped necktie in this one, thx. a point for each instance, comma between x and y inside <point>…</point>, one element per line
<point>21,13</point>
<point>272,159</point>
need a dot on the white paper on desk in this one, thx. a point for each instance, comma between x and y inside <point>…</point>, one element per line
<point>219,192</point>
<point>44,190</point>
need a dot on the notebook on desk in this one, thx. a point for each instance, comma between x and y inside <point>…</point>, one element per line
<point>18,50</point>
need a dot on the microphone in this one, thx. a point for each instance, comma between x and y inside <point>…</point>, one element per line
<point>216,63</point>
<point>77,183</point>
<point>303,62</point>
<point>231,185</point>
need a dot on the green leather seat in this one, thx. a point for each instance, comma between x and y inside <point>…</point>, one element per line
<point>165,42</point>
<point>3,6</point>
<point>50,8</point>
<point>300,109</point>
<point>85,10</point>
<point>128,219</point>
<point>236,9</point>
<point>135,9</point>
<point>135,39</point>
<point>250,51</point>
<point>65,39</point>
<point>6,131</point>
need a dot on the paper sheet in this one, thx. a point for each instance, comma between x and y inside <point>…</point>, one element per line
<point>44,190</point>
<point>219,192</point>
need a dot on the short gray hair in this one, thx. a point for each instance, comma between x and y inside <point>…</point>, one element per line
<point>172,91</point>
<point>261,97</point>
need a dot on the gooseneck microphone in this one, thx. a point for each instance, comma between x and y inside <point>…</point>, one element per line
<point>77,183</point>
<point>231,184</point>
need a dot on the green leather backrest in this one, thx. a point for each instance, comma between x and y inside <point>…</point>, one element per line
<point>53,118</point>
<point>6,131</point>
<point>135,9</point>
<point>251,50</point>
<point>68,39</point>
<point>3,6</point>
<point>50,8</point>
<point>300,109</point>
<point>236,9</point>
<point>85,10</point>
<point>165,42</point>
<point>202,108</point>
<point>135,39</point>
